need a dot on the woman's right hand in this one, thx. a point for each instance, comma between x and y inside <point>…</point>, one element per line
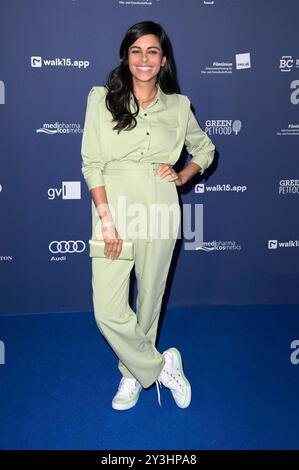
<point>113,242</point>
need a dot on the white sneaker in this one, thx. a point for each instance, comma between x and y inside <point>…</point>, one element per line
<point>127,394</point>
<point>172,377</point>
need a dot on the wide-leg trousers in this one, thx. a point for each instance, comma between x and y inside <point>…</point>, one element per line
<point>138,197</point>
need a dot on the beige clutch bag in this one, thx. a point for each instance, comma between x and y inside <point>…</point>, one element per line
<point>96,249</point>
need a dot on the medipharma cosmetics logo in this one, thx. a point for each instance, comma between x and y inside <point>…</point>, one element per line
<point>60,128</point>
<point>220,245</point>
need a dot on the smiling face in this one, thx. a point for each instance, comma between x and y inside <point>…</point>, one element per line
<point>145,57</point>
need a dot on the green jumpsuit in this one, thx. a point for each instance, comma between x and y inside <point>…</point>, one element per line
<point>127,164</point>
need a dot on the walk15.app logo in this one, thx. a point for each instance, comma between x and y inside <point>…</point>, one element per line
<point>202,188</point>
<point>68,190</point>
<point>2,92</point>
<point>38,61</point>
<point>275,244</point>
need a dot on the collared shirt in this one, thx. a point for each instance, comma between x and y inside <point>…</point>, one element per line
<point>163,128</point>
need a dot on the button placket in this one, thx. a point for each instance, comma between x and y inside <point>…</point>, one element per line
<point>153,212</point>
<point>147,129</point>
<point>142,123</point>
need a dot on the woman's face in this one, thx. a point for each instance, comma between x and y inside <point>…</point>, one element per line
<point>145,58</point>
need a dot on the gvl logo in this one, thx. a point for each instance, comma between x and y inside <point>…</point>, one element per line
<point>2,352</point>
<point>272,244</point>
<point>69,190</point>
<point>2,92</point>
<point>243,61</point>
<point>294,357</point>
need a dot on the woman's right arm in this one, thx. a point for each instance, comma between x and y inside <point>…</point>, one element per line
<point>113,242</point>
<point>92,167</point>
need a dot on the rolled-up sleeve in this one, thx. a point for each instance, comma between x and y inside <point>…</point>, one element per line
<point>198,144</point>
<point>92,161</point>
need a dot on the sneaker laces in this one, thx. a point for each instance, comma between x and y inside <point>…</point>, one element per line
<point>169,380</point>
<point>172,382</point>
<point>158,383</point>
<point>127,385</point>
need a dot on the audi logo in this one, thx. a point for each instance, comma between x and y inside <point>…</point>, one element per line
<point>71,246</point>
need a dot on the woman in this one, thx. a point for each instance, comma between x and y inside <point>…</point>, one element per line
<point>135,128</point>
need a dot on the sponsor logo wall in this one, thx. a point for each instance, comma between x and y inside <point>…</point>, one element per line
<point>242,77</point>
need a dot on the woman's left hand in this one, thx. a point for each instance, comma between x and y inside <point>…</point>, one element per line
<point>165,169</point>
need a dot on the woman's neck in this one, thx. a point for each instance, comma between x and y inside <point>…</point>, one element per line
<point>145,94</point>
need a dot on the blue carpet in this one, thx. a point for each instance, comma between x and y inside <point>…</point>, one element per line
<point>60,375</point>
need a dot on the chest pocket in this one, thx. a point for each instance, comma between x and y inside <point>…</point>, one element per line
<point>164,133</point>
<point>165,122</point>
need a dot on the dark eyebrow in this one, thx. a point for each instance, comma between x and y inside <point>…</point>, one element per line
<point>149,47</point>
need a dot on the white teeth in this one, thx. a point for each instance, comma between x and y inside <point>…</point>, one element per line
<point>143,68</point>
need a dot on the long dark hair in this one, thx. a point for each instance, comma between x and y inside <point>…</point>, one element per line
<point>119,83</point>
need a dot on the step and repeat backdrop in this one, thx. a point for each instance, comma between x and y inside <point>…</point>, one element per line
<point>237,61</point>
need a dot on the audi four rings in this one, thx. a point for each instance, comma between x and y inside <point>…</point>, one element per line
<point>71,246</point>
